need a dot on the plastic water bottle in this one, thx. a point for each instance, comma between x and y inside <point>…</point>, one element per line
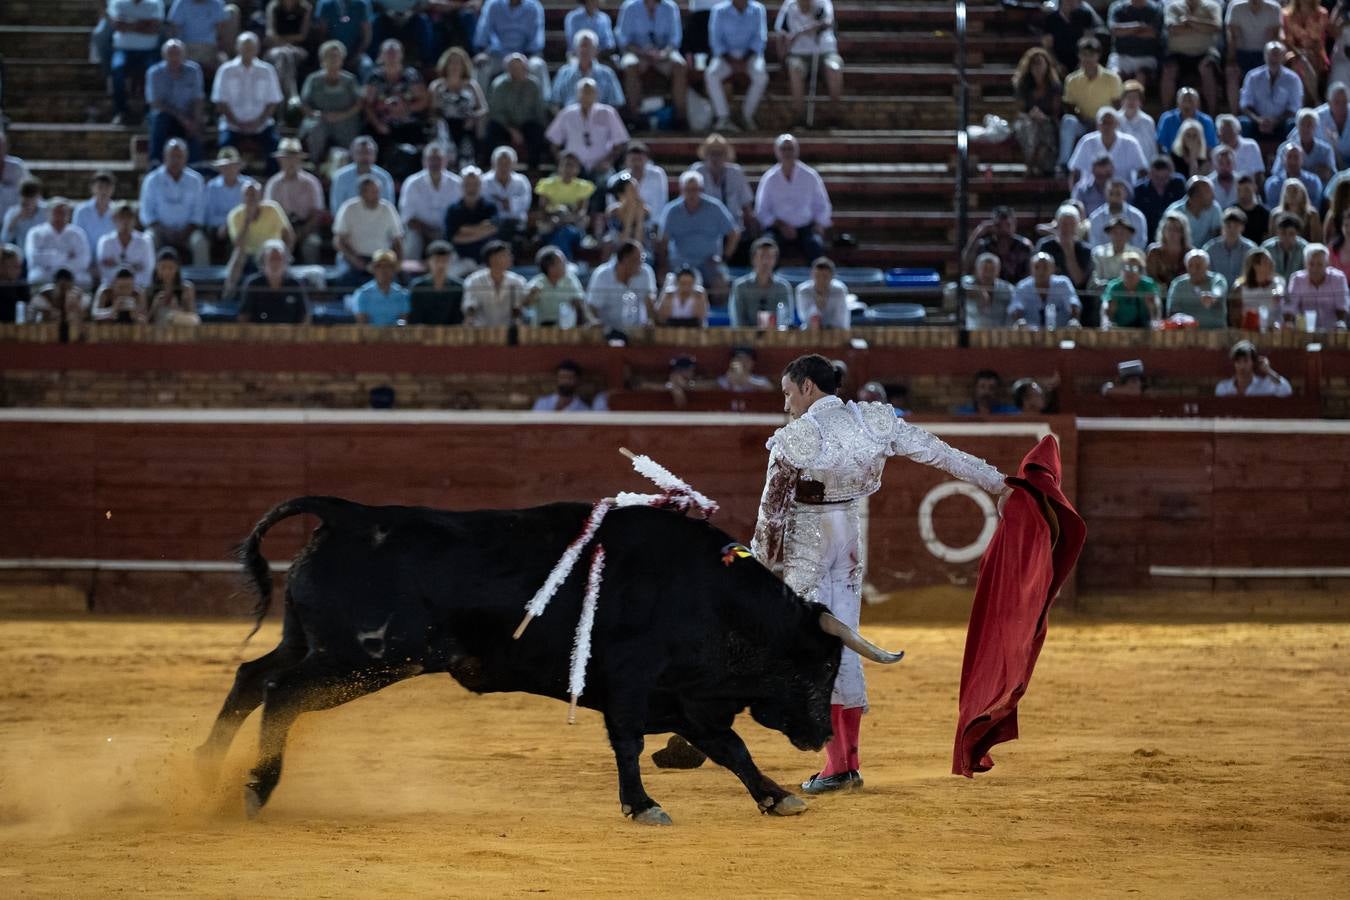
<point>631,310</point>
<point>20,312</point>
<point>567,315</point>
<point>782,316</point>
<point>1051,313</point>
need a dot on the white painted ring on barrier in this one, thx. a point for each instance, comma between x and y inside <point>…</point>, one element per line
<point>935,546</point>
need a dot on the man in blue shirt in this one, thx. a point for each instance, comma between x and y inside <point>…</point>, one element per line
<point>984,397</point>
<point>345,179</point>
<point>1169,123</point>
<point>223,193</point>
<point>174,94</point>
<point>173,205</point>
<point>506,27</point>
<point>590,17</point>
<point>737,32</point>
<point>648,33</point>
<point>585,65</point>
<point>1289,164</point>
<point>382,301</point>
<point>698,231</point>
<point>203,26</point>
<point>1270,96</point>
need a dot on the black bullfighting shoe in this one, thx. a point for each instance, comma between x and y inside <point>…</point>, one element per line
<point>678,754</point>
<point>844,781</point>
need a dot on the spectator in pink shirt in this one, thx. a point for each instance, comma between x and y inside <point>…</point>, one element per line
<point>791,202</point>
<point>1318,289</point>
<point>590,129</point>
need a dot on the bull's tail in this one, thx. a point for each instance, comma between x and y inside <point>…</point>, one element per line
<point>249,552</point>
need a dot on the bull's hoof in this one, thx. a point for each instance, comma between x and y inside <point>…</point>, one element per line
<point>788,806</point>
<point>253,801</point>
<point>653,816</point>
<point>678,754</point>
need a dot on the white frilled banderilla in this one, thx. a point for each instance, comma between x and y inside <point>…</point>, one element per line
<point>675,494</point>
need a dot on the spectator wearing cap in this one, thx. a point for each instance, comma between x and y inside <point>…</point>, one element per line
<point>57,244</point>
<point>761,296</point>
<point>791,202</point>
<point>1200,293</point>
<point>1318,155</point>
<point>1063,26</point>
<point>1159,190</point>
<point>1073,257</point>
<point>621,293</point>
<point>136,25</point>
<point>740,377</point>
<point>396,101</point>
<point>1117,206</point>
<point>1317,290</point>
<point>1125,154</point>
<point>125,248</point>
<point>175,95</point>
<point>1108,256</point>
<point>471,221</point>
<point>365,225</point>
<point>987,296</point>
<point>584,64</point>
<point>425,199</point>
<point>204,27</point>
<point>510,192</point>
<point>382,300</point>
<point>648,33</point>
<point>1091,190</point>
<point>1224,178</point>
<point>1229,249</point>
<point>517,113</point>
<point>1289,164</point>
<point>95,216</point>
<point>1202,214</point>
<point>300,195</point>
<point>1250,25</point>
<point>494,295</point>
<point>333,102</point>
<point>251,224</point>
<point>1247,153</point>
<point>998,235</point>
<point>1194,31</point>
<point>13,289</point>
<point>437,296</point>
<point>1253,375</point>
<point>30,211</point>
<point>1086,90</point>
<point>564,397</point>
<point>724,179</point>
<point>1249,201</point>
<point>1186,110</point>
<point>224,192</point>
<point>13,173</point>
<point>1041,290</point>
<point>505,28</point>
<point>563,199</point>
<point>173,205</point>
<point>121,301</point>
<point>653,184</point>
<point>684,302</point>
<point>1287,247</point>
<point>1137,30</point>
<point>697,231</point>
<point>344,184</point>
<point>1270,97</point>
<point>554,297</point>
<point>246,91</point>
<point>1131,299</point>
<point>1134,121</point>
<point>737,33</point>
<point>589,129</point>
<point>273,296</point>
<point>822,299</point>
<point>1333,118</point>
<point>588,16</point>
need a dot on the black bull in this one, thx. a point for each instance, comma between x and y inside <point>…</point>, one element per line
<point>682,641</point>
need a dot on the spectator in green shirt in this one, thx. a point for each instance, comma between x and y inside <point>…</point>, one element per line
<point>762,292</point>
<point>517,115</point>
<point>1131,299</point>
<point>1200,293</point>
<point>554,294</point>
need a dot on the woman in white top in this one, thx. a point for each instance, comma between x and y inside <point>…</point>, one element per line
<point>805,29</point>
<point>685,303</point>
<point>1260,287</point>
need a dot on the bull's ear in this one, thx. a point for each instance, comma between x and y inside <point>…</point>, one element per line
<point>860,645</point>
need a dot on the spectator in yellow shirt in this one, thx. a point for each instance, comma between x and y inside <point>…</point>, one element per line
<point>563,198</point>
<point>252,224</point>
<point>1087,89</point>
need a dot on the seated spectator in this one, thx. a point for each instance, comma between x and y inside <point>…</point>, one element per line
<point>507,27</point>
<point>1086,90</point>
<point>510,192</point>
<point>627,217</point>
<point>1317,291</point>
<point>1036,84</point>
<point>349,23</point>
<point>564,397</point>
<point>740,376</point>
<point>409,23</point>
<point>1259,292</point>
<point>1202,214</point>
<point>300,196</point>
<point>1129,380</point>
<point>1252,375</point>
<point>174,97</point>
<point>1200,293</point>
<point>1154,194</point>
<point>438,296</point>
<point>791,202</point>
<point>251,224</point>
<point>1224,179</point>
<point>653,185</point>
<point>1108,258</point>
<point>1187,110</point>
<point>346,179</point>
<point>1287,247</point>
<point>30,211</point>
<point>588,16</point>
<point>681,379</point>
<point>1166,257</point>
<point>136,25</point>
<point>998,235</point>
<point>13,173</point>
<point>1044,299</point>
<point>494,295</point>
<point>585,65</point>
<point>1293,199</point>
<point>697,231</point>
<point>1247,153</point>
<point>1305,32</point>
<point>563,200</point>
<point>1250,25</point>
<point>13,287</point>
<point>648,33</point>
<point>1137,32</point>
<point>1073,257</point>
<point>761,298</point>
<point>120,301</point>
<point>1117,207</point>
<point>985,401</point>
<point>621,293</point>
<point>61,301</point>
<point>737,32</point>
<point>1229,250</point>
<point>470,222</point>
<point>1064,25</point>
<point>425,200</point>
<point>246,92</point>
<point>1338,201</point>
<point>822,300</point>
<point>172,298</point>
<point>273,295</point>
<point>1131,299</point>
<point>1134,121</point>
<point>1091,190</point>
<point>206,30</point>
<point>806,29</point>
<point>382,300</point>
<point>396,103</point>
<point>1194,33</point>
<point>125,248</point>
<point>1189,154</point>
<point>95,216</point>
<point>333,103</point>
<point>1333,119</point>
<point>224,192</point>
<point>590,130</point>
<point>57,244</point>
<point>173,205</point>
<point>1270,96</point>
<point>722,178</point>
<point>684,302</point>
<point>554,296</point>
<point>286,35</point>
<point>1029,397</point>
<point>517,115</point>
<point>1249,201</point>
<point>987,295</point>
<point>365,225</point>
<point>1318,155</point>
<point>1340,245</point>
<point>459,106</point>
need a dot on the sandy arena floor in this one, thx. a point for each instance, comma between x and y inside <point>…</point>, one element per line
<point>1156,761</point>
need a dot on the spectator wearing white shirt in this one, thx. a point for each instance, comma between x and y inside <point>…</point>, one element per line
<point>806,31</point>
<point>1247,152</point>
<point>510,192</point>
<point>621,293</point>
<point>173,205</point>
<point>822,300</point>
<point>1125,152</point>
<point>1224,178</point>
<point>136,25</point>
<point>1252,375</point>
<point>653,184</point>
<point>737,32</point>
<point>13,173</point>
<point>791,202</point>
<point>1134,121</point>
<point>494,295</point>
<point>424,200</point>
<point>589,129</point>
<point>57,244</point>
<point>95,216</point>
<point>1117,206</point>
<point>125,248</point>
<point>1334,122</point>
<point>246,92</point>
<point>365,225</point>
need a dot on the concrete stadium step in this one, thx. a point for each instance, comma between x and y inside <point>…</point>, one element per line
<point>70,177</point>
<point>72,141</point>
<point>43,41</point>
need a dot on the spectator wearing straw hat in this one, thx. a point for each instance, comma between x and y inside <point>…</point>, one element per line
<point>382,300</point>
<point>300,195</point>
<point>57,244</point>
<point>1253,375</point>
<point>725,180</point>
<point>1108,256</point>
<point>224,192</point>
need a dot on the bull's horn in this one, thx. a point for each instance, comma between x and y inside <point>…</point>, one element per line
<point>856,642</point>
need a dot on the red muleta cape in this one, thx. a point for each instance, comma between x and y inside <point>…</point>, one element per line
<point>1032,552</point>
